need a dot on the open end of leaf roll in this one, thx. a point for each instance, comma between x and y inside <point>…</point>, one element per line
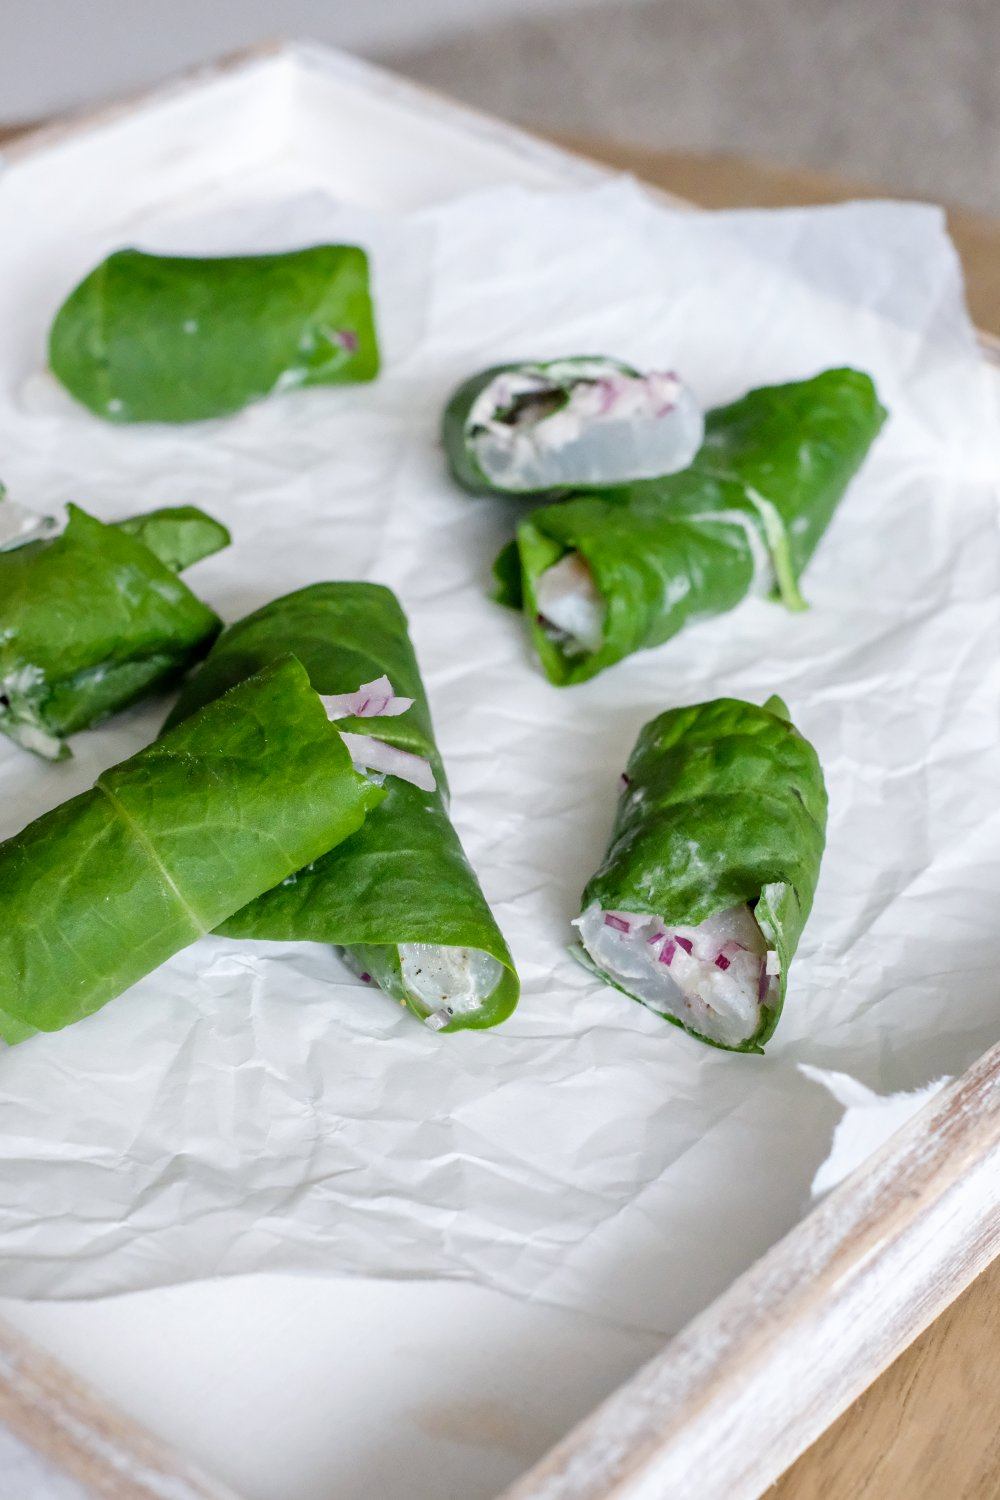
<point>582,421</point>
<point>697,909</point>
<point>710,978</point>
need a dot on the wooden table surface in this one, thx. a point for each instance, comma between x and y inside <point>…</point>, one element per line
<point>930,1425</point>
<point>929,1428</point>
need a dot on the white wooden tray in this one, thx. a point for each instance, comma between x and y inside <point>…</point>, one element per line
<point>293,1389</point>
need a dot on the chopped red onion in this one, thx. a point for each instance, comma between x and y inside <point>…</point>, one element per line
<point>582,421</point>
<point>371,754</point>
<point>607,392</point>
<point>705,974</point>
<point>763,982</point>
<point>728,952</point>
<point>372,700</point>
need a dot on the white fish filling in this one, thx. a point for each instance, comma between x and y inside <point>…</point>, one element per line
<point>582,423</point>
<point>456,980</point>
<point>713,977</point>
<point>568,602</point>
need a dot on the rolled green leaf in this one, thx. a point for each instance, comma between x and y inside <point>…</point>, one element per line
<point>400,896</point>
<point>700,902</point>
<point>607,574</point>
<point>93,619</point>
<point>540,428</point>
<point>157,338</point>
<point>105,888</point>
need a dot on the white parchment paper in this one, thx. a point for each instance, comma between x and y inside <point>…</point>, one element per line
<point>869,1119</point>
<point>252,1106</point>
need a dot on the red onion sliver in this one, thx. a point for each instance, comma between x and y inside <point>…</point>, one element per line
<point>721,962</point>
<point>371,754</point>
<point>618,923</point>
<point>372,700</point>
<point>685,943</point>
<point>667,955</point>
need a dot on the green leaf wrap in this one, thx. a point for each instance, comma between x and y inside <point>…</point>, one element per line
<point>102,890</point>
<point>724,804</point>
<point>92,619</point>
<point>403,877</point>
<point>772,469</point>
<point>156,338</point>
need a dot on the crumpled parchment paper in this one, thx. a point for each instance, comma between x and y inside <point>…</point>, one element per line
<point>253,1106</point>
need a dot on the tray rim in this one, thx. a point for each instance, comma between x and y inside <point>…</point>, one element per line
<point>821,1314</point>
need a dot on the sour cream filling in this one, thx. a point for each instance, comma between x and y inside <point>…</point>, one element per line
<point>582,422</point>
<point>448,981</point>
<point>714,977</point>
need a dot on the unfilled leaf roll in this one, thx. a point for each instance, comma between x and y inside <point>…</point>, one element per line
<point>604,574</point>
<point>399,897</point>
<point>167,338</point>
<point>93,619</point>
<point>166,845</point>
<point>699,904</point>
